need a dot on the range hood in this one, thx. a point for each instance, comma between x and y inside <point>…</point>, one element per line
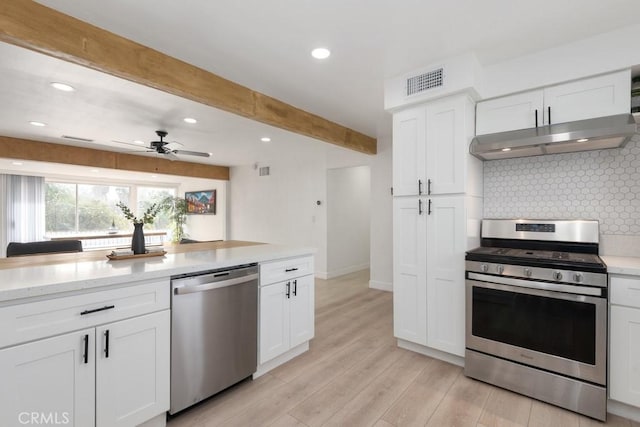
<point>582,135</point>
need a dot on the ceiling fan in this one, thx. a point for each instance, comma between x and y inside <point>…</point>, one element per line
<point>168,149</point>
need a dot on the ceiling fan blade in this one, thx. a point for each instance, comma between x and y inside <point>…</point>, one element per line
<point>192,153</point>
<point>174,144</point>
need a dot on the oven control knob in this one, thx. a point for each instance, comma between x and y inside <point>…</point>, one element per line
<point>577,277</point>
<point>484,268</point>
<point>500,269</point>
<point>557,275</point>
<point>527,272</point>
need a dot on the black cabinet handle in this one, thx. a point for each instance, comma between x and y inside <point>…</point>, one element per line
<point>106,343</point>
<point>419,207</point>
<point>95,310</point>
<point>85,357</point>
<point>536,118</point>
<point>419,186</point>
<point>295,288</point>
<point>289,270</point>
<point>288,290</point>
<point>429,208</point>
<point>429,187</point>
<point>549,114</point>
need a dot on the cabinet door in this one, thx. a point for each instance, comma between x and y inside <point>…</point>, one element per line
<point>409,152</point>
<point>446,146</point>
<point>409,270</point>
<point>132,380</point>
<point>624,352</point>
<point>446,236</point>
<point>584,99</point>
<point>509,112</point>
<point>47,382</point>
<point>274,321</point>
<point>302,306</point>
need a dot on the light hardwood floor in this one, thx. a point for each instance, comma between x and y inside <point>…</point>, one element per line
<point>355,375</point>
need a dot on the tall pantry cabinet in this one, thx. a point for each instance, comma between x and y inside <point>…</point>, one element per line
<point>437,207</point>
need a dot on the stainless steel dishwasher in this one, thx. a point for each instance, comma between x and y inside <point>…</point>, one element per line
<point>214,328</point>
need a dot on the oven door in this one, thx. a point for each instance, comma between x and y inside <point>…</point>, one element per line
<point>556,331</point>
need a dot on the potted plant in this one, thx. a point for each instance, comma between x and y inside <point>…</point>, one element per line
<point>137,241</point>
<point>176,208</point>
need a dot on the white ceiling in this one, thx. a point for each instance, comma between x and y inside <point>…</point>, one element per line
<point>265,46</point>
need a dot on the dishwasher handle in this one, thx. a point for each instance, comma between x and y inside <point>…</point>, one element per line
<point>214,285</point>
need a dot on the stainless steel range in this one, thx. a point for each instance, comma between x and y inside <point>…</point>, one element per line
<point>536,312</point>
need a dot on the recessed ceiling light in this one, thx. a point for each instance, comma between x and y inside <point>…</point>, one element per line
<point>95,170</point>
<point>137,141</point>
<point>583,139</point>
<point>265,139</point>
<point>17,163</point>
<point>62,86</point>
<point>506,149</point>
<point>190,120</point>
<point>39,124</point>
<point>154,176</point>
<point>320,53</point>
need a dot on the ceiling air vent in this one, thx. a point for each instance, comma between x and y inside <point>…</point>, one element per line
<point>77,138</point>
<point>264,171</point>
<point>425,81</point>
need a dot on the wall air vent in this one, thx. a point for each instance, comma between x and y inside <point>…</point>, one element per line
<point>264,171</point>
<point>429,80</point>
<point>77,138</point>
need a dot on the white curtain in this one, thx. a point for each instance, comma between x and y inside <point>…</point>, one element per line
<point>22,217</point>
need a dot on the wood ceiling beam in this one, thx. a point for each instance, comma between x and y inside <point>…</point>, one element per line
<point>24,149</point>
<point>34,26</point>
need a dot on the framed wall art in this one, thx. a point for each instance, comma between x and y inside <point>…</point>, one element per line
<point>201,202</point>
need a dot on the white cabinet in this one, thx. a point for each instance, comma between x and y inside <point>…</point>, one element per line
<point>431,231</point>
<point>599,96</point>
<point>430,145</point>
<point>132,379</point>
<point>409,270</point>
<point>624,339</point>
<point>428,285</point>
<point>50,380</point>
<point>286,307</point>
<point>107,366</point>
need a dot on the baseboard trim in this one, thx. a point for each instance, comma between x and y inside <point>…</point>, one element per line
<point>283,358</point>
<point>623,410</point>
<point>321,275</point>
<point>432,352</point>
<point>381,286</point>
<point>346,270</point>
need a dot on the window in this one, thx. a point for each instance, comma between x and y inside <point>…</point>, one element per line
<point>78,209</point>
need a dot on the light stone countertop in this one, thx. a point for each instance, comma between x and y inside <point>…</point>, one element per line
<point>622,265</point>
<point>47,280</point>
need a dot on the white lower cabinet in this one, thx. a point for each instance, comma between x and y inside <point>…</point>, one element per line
<point>113,375</point>
<point>132,383</point>
<point>286,316</point>
<point>102,369</point>
<point>624,340</point>
<point>49,380</point>
<point>430,237</point>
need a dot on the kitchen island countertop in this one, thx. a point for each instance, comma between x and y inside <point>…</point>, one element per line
<point>622,265</point>
<point>47,275</point>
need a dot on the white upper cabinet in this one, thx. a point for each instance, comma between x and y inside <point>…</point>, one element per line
<point>409,167</point>
<point>599,96</point>
<point>431,147</point>
<point>509,113</point>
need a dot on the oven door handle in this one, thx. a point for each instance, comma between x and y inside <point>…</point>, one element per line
<point>532,284</point>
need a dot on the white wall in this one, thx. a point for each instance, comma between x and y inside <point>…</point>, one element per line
<point>206,227</point>
<point>381,218</point>
<point>348,218</point>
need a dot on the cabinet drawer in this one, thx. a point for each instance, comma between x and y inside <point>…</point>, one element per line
<point>625,291</point>
<point>35,320</point>
<point>278,271</point>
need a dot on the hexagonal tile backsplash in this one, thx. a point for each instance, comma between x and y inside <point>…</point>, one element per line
<point>603,185</point>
